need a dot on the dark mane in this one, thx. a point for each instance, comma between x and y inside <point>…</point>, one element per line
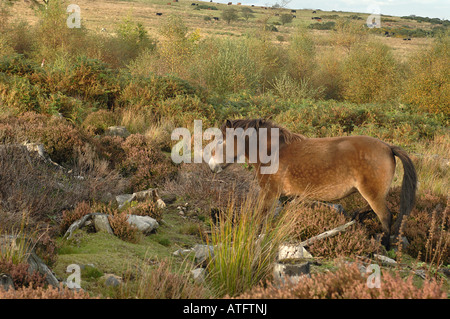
<point>285,135</point>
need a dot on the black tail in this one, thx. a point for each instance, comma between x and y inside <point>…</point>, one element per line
<point>409,186</point>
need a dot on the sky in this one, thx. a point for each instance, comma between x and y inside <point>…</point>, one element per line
<point>424,8</point>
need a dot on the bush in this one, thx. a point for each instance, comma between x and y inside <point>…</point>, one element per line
<point>21,275</point>
<point>427,229</point>
<point>370,73</point>
<point>37,188</point>
<point>230,68</point>
<point>183,110</point>
<point>21,38</point>
<point>69,217</point>
<point>302,52</point>
<point>176,48</point>
<point>44,293</point>
<point>144,164</point>
<point>230,14</point>
<point>97,122</point>
<point>147,208</point>
<point>428,84</point>
<point>314,221</point>
<point>130,41</point>
<point>348,33</point>
<point>16,64</point>
<point>286,18</point>
<point>18,94</point>
<point>330,25</point>
<point>121,227</point>
<point>145,92</point>
<point>88,78</point>
<point>348,283</point>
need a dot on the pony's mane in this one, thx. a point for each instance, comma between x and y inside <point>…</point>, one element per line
<point>286,135</point>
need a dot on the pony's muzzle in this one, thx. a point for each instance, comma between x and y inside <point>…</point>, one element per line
<point>214,166</point>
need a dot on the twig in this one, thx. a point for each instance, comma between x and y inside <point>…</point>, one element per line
<point>327,234</point>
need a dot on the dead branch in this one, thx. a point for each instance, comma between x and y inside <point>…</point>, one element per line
<point>327,234</point>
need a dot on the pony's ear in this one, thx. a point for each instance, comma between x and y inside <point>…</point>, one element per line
<point>228,124</point>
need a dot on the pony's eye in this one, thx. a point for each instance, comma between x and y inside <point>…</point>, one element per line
<point>220,142</point>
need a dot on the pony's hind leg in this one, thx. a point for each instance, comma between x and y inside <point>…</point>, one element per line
<point>377,201</point>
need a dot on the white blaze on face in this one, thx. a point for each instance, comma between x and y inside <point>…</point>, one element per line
<point>214,166</point>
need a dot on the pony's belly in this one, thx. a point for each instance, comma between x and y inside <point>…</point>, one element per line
<point>321,192</point>
<point>339,193</point>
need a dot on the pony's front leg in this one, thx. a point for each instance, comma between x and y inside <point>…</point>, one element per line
<point>269,201</point>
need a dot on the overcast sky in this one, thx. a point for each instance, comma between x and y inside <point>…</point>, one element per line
<point>424,8</point>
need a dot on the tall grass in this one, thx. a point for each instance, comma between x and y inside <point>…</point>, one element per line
<point>163,281</point>
<point>246,242</point>
<point>16,243</point>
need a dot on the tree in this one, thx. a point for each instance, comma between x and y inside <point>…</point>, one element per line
<point>229,15</point>
<point>286,18</point>
<point>247,13</point>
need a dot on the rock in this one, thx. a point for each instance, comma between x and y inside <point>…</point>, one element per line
<point>101,223</point>
<point>421,273</point>
<point>198,275</point>
<point>118,131</point>
<point>286,273</point>
<point>152,193</point>
<point>182,252</point>
<point>145,224</point>
<point>404,242</point>
<point>36,264</point>
<point>87,220</point>
<point>6,282</point>
<point>292,252</point>
<point>203,253</point>
<point>123,199</point>
<point>85,266</point>
<point>112,280</point>
<point>385,260</point>
<point>40,150</point>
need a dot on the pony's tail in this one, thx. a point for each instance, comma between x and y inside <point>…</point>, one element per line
<point>409,186</point>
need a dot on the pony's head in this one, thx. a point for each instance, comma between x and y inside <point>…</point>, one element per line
<point>251,139</point>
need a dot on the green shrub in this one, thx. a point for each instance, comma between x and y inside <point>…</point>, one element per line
<point>206,7</point>
<point>183,110</point>
<point>230,68</point>
<point>428,84</point>
<point>97,122</point>
<point>330,25</point>
<point>370,73</point>
<point>147,91</point>
<point>16,64</point>
<point>302,52</point>
<point>131,40</point>
<point>18,94</point>
<point>229,14</point>
<point>21,38</point>
<point>176,47</point>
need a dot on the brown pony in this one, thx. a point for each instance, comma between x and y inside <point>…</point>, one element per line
<point>328,169</point>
